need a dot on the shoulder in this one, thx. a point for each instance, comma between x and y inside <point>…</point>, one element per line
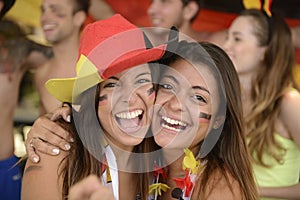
<point>221,187</point>
<point>290,112</point>
<point>290,104</point>
<point>42,180</point>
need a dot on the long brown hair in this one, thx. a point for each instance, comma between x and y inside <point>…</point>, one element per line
<point>273,79</point>
<point>82,159</point>
<point>230,154</point>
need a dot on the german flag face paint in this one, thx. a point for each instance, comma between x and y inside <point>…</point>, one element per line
<point>151,94</point>
<point>204,117</point>
<point>103,100</point>
<point>124,103</point>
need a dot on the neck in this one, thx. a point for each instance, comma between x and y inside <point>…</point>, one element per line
<point>66,50</point>
<point>128,185</point>
<point>186,28</point>
<point>123,158</point>
<point>246,84</point>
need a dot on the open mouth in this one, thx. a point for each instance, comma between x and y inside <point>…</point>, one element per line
<point>130,122</point>
<point>173,124</point>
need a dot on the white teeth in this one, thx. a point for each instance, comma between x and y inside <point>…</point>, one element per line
<point>129,115</point>
<point>48,26</point>
<point>171,128</point>
<point>173,121</point>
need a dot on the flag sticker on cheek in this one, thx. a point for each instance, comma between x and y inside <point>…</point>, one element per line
<point>204,117</point>
<point>103,100</point>
<point>151,93</point>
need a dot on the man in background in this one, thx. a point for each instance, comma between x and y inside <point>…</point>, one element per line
<point>61,21</point>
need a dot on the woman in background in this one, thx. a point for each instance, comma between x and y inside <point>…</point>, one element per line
<point>264,60</point>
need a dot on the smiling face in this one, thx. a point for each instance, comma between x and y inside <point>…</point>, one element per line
<point>58,19</point>
<point>166,13</point>
<point>124,102</point>
<point>242,45</point>
<point>184,103</point>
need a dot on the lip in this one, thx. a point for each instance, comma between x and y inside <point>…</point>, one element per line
<point>155,22</point>
<point>130,121</point>
<point>172,125</point>
<point>48,27</point>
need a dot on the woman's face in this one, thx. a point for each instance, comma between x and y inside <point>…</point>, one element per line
<point>124,102</point>
<point>183,105</point>
<point>242,45</point>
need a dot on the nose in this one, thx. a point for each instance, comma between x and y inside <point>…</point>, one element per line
<point>153,7</point>
<point>174,103</point>
<point>45,15</point>
<point>227,45</point>
<point>127,96</point>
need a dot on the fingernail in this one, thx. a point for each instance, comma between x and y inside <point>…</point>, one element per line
<point>68,118</point>
<point>55,151</point>
<point>35,159</point>
<point>67,147</point>
<point>72,139</point>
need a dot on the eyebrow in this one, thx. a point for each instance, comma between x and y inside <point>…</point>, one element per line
<point>141,74</point>
<point>113,77</point>
<point>172,77</point>
<point>237,33</point>
<point>201,88</point>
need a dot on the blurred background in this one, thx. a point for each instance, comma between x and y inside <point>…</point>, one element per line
<point>215,15</point>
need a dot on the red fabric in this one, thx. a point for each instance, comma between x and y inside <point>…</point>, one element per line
<point>208,20</point>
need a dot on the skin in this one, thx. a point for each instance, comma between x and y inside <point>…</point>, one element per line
<point>247,56</point>
<point>126,95</point>
<point>12,70</point>
<point>90,189</point>
<point>184,92</point>
<point>61,28</point>
<point>176,85</point>
<point>1,5</point>
<point>137,80</point>
<point>168,13</point>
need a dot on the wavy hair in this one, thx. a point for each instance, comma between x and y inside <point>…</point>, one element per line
<point>230,153</point>
<point>273,79</point>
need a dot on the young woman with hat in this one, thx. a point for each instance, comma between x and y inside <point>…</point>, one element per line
<point>111,102</point>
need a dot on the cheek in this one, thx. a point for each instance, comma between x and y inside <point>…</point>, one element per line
<point>151,95</point>
<point>147,94</point>
<point>103,100</point>
<point>204,118</point>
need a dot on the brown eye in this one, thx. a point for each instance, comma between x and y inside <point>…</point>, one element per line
<point>200,98</point>
<point>109,85</point>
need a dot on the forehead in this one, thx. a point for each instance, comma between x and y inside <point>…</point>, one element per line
<point>243,24</point>
<point>58,3</point>
<point>134,71</point>
<point>196,74</point>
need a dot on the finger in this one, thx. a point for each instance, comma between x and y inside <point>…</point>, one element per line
<point>32,155</point>
<point>44,126</point>
<point>85,188</point>
<point>46,130</point>
<point>102,193</point>
<point>62,112</point>
<point>44,147</point>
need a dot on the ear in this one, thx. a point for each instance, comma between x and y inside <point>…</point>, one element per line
<point>79,18</point>
<point>219,121</point>
<point>190,10</point>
